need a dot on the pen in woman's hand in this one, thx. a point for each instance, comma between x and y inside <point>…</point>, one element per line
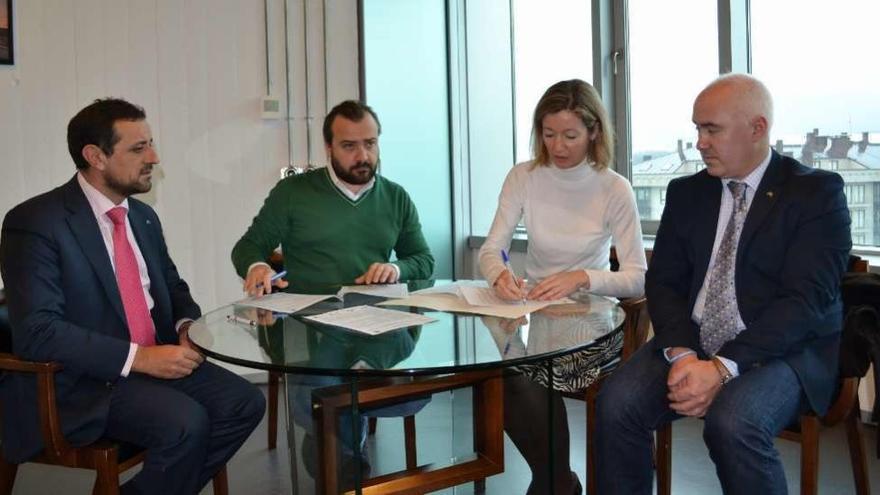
<point>512,275</point>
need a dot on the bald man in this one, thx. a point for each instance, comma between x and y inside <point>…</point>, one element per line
<point>743,293</point>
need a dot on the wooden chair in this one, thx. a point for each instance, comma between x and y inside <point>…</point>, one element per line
<point>486,460</point>
<point>806,432</point>
<point>409,422</point>
<point>276,261</point>
<point>272,409</point>
<point>102,456</point>
<point>635,332</point>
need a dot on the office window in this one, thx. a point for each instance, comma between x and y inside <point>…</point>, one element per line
<point>413,108</point>
<point>547,48</point>
<point>828,164</point>
<point>673,54</point>
<point>833,120</point>
<point>858,219</point>
<point>643,199</point>
<point>855,194</point>
<point>514,51</point>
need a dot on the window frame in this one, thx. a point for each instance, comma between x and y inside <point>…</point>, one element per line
<point>611,77</point>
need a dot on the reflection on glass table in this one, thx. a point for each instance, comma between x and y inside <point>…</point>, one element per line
<point>463,374</point>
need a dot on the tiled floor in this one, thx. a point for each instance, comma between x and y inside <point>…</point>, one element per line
<point>257,471</point>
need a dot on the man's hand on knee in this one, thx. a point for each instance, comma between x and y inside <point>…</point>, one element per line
<point>693,385</point>
<point>166,361</point>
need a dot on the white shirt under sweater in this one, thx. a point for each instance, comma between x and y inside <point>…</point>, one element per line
<point>572,216</point>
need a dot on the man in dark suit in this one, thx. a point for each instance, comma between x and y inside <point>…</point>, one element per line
<point>743,292</point>
<point>90,285</point>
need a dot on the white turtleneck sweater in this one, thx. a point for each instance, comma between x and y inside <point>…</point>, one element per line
<point>572,217</point>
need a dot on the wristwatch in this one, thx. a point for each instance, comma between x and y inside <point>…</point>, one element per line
<point>725,373</point>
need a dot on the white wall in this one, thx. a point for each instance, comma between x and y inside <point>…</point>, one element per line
<point>199,68</point>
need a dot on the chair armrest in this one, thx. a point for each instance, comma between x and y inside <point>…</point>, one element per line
<point>50,424</point>
<point>635,324</point>
<point>9,362</point>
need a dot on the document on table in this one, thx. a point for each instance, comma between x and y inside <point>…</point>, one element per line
<point>381,290</point>
<point>484,296</point>
<point>471,296</point>
<point>370,319</point>
<point>452,288</point>
<point>283,302</point>
<point>456,304</point>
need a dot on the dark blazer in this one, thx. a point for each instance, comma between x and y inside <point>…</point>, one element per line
<point>792,253</point>
<point>64,306</point>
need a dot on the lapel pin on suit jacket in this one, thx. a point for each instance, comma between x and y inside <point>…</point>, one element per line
<point>769,195</point>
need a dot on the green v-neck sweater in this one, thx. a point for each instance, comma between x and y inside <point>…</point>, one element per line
<point>327,238</point>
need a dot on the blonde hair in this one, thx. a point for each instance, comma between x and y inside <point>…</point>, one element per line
<point>582,99</point>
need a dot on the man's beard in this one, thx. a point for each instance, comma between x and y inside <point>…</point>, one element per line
<point>127,189</point>
<point>358,175</point>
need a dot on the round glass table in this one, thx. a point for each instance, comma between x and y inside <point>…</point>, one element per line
<point>471,377</point>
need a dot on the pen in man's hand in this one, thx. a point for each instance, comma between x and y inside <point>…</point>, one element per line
<point>513,275</point>
<point>275,277</point>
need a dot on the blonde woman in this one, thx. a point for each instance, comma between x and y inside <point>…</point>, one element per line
<point>573,206</point>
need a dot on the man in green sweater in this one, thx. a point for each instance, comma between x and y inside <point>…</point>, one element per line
<point>337,225</point>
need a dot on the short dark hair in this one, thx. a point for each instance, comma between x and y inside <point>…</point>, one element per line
<point>352,110</point>
<point>94,125</point>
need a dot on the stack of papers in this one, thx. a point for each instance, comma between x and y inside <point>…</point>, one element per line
<point>370,319</point>
<point>471,297</point>
<point>283,302</point>
<point>380,290</point>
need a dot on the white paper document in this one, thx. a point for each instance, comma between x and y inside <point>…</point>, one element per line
<point>455,304</point>
<point>381,290</point>
<point>283,302</point>
<point>452,288</point>
<point>370,319</point>
<point>474,297</point>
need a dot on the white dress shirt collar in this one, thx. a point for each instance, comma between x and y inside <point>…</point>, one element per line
<point>753,180</point>
<point>100,204</point>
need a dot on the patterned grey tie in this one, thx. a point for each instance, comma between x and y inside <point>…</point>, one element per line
<point>721,311</point>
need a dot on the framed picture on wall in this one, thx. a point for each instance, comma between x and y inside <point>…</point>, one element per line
<point>6,50</point>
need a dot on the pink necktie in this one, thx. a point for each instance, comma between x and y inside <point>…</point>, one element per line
<point>140,323</point>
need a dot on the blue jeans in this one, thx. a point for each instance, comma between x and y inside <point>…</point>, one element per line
<point>739,428</point>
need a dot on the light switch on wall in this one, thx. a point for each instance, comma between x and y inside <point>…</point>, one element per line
<point>270,107</point>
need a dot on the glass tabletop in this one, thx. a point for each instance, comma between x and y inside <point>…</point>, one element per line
<point>454,342</point>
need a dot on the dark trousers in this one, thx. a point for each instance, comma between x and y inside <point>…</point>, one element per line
<point>739,427</point>
<point>190,426</point>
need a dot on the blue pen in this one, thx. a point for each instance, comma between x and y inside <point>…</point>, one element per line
<point>510,270</point>
<point>275,277</point>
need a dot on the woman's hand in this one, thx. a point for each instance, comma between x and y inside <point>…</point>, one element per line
<point>559,285</point>
<point>509,288</point>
